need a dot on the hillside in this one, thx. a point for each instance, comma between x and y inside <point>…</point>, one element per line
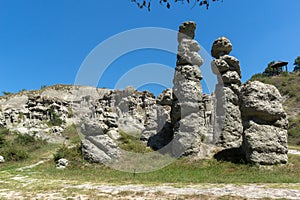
<point>289,87</point>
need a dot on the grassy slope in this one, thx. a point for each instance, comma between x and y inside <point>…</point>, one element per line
<point>289,87</point>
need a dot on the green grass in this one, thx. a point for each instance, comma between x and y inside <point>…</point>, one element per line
<point>182,171</point>
<point>132,143</point>
<point>71,133</point>
<point>15,147</point>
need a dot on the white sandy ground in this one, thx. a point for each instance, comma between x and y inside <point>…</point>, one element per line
<point>250,191</point>
<point>165,191</point>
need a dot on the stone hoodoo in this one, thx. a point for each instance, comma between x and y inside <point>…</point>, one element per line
<point>229,126</point>
<point>238,122</point>
<point>187,114</point>
<point>265,124</point>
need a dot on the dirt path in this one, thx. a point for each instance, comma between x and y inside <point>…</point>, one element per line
<point>18,184</point>
<point>62,189</point>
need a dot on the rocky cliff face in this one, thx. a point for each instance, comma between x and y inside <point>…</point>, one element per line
<point>245,119</point>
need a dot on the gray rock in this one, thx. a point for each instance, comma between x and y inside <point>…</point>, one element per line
<point>265,144</point>
<point>219,66</point>
<point>187,113</point>
<point>261,102</point>
<point>92,127</point>
<point>265,124</point>
<point>166,98</point>
<point>231,77</point>
<point>228,128</point>
<point>2,160</point>
<point>233,63</point>
<point>222,46</point>
<point>188,53</point>
<point>100,149</point>
<point>232,128</point>
<point>186,31</point>
<point>62,163</point>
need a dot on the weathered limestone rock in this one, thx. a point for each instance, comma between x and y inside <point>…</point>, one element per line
<point>265,124</point>
<point>262,102</point>
<point>165,98</point>
<point>2,160</point>
<point>100,149</point>
<point>62,163</point>
<point>187,114</point>
<point>222,46</point>
<point>228,133</point>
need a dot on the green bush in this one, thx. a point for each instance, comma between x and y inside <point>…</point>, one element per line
<point>24,139</point>
<point>2,140</point>
<point>72,154</point>
<point>4,131</point>
<point>55,119</point>
<point>131,142</point>
<point>13,153</point>
<point>16,147</point>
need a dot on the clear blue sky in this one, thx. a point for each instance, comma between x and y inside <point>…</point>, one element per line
<point>44,42</point>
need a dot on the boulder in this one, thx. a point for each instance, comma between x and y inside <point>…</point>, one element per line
<point>265,144</point>
<point>231,77</point>
<point>222,46</point>
<point>186,31</point>
<point>165,98</point>
<point>261,102</point>
<point>100,149</point>
<point>233,63</point>
<point>265,124</point>
<point>2,160</point>
<point>62,163</point>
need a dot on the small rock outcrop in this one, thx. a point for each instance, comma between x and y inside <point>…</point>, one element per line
<point>62,163</point>
<point>228,116</point>
<point>2,160</point>
<point>265,124</point>
<point>187,114</point>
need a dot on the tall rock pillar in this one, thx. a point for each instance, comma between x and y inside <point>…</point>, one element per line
<point>187,113</point>
<point>229,127</point>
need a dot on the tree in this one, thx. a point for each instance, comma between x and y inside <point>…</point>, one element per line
<point>269,71</point>
<point>6,93</point>
<point>297,64</point>
<point>147,3</point>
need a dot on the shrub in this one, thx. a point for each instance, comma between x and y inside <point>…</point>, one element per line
<point>4,131</point>
<point>13,153</point>
<point>2,140</point>
<point>73,154</point>
<point>55,119</point>
<point>130,142</point>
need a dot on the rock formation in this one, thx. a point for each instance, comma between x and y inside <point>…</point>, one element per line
<point>187,114</point>
<point>229,126</point>
<point>2,160</point>
<point>62,163</point>
<point>265,124</point>
<point>241,121</point>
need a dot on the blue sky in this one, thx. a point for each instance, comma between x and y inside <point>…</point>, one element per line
<point>44,42</point>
